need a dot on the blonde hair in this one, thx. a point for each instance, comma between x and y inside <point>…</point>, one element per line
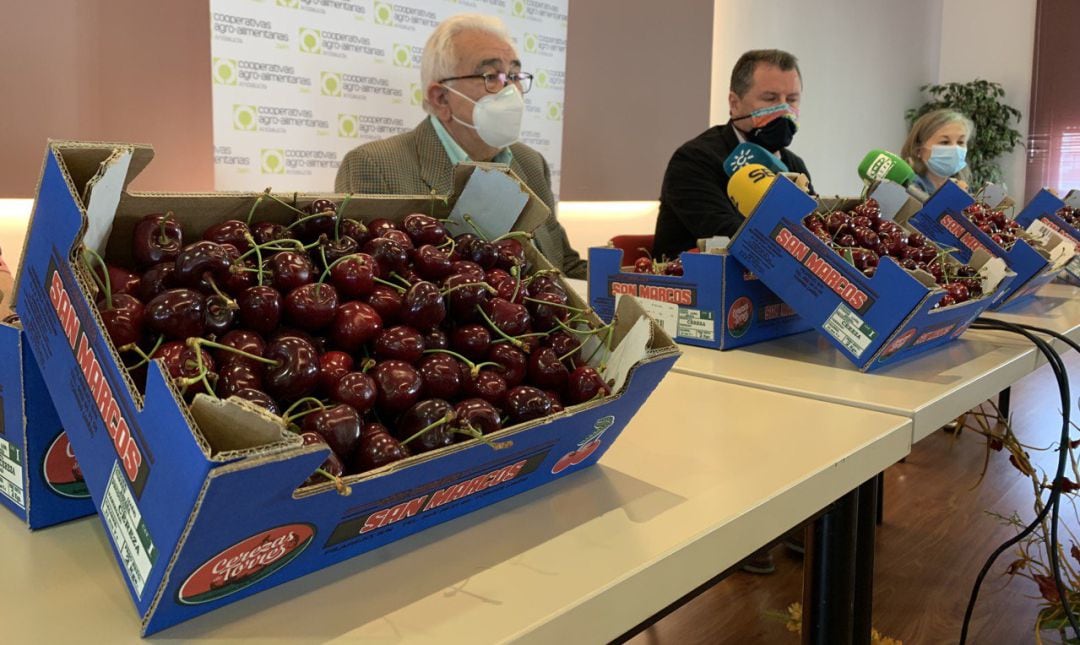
<point>440,59</point>
<point>925,128</point>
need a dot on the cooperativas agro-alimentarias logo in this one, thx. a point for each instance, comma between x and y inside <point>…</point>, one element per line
<point>330,84</point>
<point>416,96</point>
<point>347,126</point>
<point>272,161</point>
<point>402,55</point>
<point>384,13</point>
<point>310,40</point>
<point>519,8</point>
<point>224,71</point>
<point>530,43</point>
<point>245,118</point>
<point>289,4</point>
<point>554,110</point>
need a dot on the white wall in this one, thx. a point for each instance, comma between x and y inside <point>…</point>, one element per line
<point>862,63</point>
<point>993,40</point>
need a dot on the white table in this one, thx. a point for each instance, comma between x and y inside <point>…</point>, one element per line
<point>704,475</point>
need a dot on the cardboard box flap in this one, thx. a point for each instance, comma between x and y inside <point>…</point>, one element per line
<point>529,216</point>
<point>996,196</point>
<point>83,159</point>
<point>634,345</point>
<point>236,428</point>
<point>1073,199</point>
<point>102,195</point>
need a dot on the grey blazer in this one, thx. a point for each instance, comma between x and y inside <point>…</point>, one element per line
<point>415,163</point>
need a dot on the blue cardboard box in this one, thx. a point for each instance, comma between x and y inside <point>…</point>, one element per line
<point>942,221</point>
<point>1041,215</point>
<point>40,481</point>
<point>873,321</point>
<point>716,303</point>
<point>201,504</point>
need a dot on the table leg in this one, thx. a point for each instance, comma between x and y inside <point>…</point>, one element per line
<point>864,559</point>
<point>829,574</point>
<point>1003,402</point>
<point>880,498</point>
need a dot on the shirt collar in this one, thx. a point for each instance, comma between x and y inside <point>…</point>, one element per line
<point>456,153</point>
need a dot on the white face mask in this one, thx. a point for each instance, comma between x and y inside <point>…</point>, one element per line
<point>496,117</point>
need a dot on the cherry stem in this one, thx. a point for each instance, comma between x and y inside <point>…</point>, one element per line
<point>258,255</point>
<point>451,242</point>
<point>474,368</point>
<point>107,286</point>
<point>271,245</point>
<point>367,364</point>
<point>539,273</point>
<point>513,341</point>
<point>472,224</point>
<point>326,271</point>
<point>339,214</point>
<point>514,235</point>
<point>570,353</point>
<point>292,208</point>
<point>202,342</point>
<point>200,367</point>
<point>288,416</point>
<point>400,289</point>
<point>258,200</point>
<point>447,418</point>
<point>583,332</point>
<point>516,272</point>
<point>576,310</point>
<point>475,433</point>
<point>162,237</point>
<point>213,285</point>
<point>487,287</point>
<point>395,274</point>
<point>133,347</point>
<point>343,489</point>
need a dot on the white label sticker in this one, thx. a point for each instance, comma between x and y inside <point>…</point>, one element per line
<point>854,334</point>
<point>697,323</point>
<point>666,314</point>
<point>128,531</point>
<point>11,473</point>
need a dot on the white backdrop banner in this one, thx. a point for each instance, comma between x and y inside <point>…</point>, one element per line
<point>299,83</point>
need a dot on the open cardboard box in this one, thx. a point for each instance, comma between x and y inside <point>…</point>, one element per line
<point>1041,218</point>
<point>717,302</point>
<point>201,504</point>
<point>873,321</point>
<point>942,221</point>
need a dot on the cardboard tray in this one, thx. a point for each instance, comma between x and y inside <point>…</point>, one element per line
<point>201,505</point>
<point>1040,216</point>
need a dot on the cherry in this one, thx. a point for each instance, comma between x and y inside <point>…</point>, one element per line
<point>866,237</point>
<point>398,385</point>
<point>377,448</point>
<point>243,340</point>
<point>487,384</point>
<point>845,240</point>
<point>311,306</point>
<point>478,414</point>
<point>424,229</point>
<point>356,389</point>
<point>356,230</point>
<point>837,223</point>
<point>338,424</point>
<point>259,398</point>
<point>355,324</point>
<point>510,253</point>
<point>332,466</point>
<point>401,342</point>
<point>402,238</point>
<point>643,265</point>
<point>472,270</point>
<point>334,250</point>
<point>958,291</point>
<point>387,302</point>
<point>432,263</point>
<point>236,376</point>
<point>354,276</point>
<point>332,366</point>
<point>917,240</point>
<point>525,403</point>
<point>296,372</point>
<point>156,279</point>
<point>260,309</point>
<point>156,238</point>
<point>423,306</point>
<point>463,295</point>
<point>220,314</point>
<point>120,280</point>
<point>675,267</point>
<point>265,232</point>
<point>177,313</point>
<point>290,270</point>
<point>556,402</point>
<point>483,254</point>
<point>201,257</point>
<point>230,231</point>
<point>318,219</point>
<point>511,360</point>
<point>584,384</point>
<point>426,426</point>
<point>472,341</point>
<point>181,362</point>
<point>512,319</point>
<point>436,339</point>
<point>380,225</point>
<point>442,376</point>
<point>388,254</point>
<point>547,310</point>
<point>546,371</point>
<point>124,319</point>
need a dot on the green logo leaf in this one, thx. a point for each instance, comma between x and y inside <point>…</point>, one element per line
<point>542,78</point>
<point>224,71</point>
<point>346,125</point>
<point>331,84</point>
<point>402,55</point>
<point>245,118</point>
<point>519,8</point>
<point>554,110</point>
<point>530,43</point>
<point>272,161</point>
<point>289,4</point>
<point>416,96</point>
<point>310,40</point>
<point>384,14</point>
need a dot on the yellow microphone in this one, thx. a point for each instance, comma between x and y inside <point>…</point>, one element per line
<point>748,185</point>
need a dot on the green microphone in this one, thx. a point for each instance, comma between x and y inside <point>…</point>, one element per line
<point>880,165</point>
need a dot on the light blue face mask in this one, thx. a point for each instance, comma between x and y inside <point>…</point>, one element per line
<point>946,161</point>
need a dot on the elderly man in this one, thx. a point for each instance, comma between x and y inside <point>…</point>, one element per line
<point>765,90</point>
<point>473,86</point>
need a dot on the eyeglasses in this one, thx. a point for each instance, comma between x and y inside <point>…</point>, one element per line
<point>494,82</point>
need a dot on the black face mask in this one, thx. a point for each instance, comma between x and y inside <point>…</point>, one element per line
<point>774,135</point>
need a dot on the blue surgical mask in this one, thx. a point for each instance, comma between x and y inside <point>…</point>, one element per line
<point>946,161</point>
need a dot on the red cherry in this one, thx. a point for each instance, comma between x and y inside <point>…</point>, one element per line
<point>290,270</point>
<point>525,403</point>
<point>512,362</point>
<point>387,302</point>
<point>124,321</point>
<point>377,448</point>
<point>442,376</point>
<point>355,324</point>
<point>338,425</point>
<point>296,373</point>
<point>312,306</point>
<point>477,414</point>
<point>332,465</point>
<point>401,342</point>
<point>156,238</point>
<point>332,366</point>
<point>260,308</point>
<point>177,313</point>
<point>357,390</point>
<point>471,341</point>
<point>584,384</point>
<point>421,426</point>
<point>230,231</point>
<point>354,276</point>
<point>398,385</point>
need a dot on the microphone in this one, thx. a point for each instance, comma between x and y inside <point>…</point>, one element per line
<point>748,185</point>
<point>882,165</point>
<point>750,153</point>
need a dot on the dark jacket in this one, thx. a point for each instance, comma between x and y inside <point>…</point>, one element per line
<point>693,198</point>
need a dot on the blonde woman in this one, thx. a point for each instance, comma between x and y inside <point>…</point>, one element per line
<point>936,148</point>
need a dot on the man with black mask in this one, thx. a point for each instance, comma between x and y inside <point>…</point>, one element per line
<point>766,86</point>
